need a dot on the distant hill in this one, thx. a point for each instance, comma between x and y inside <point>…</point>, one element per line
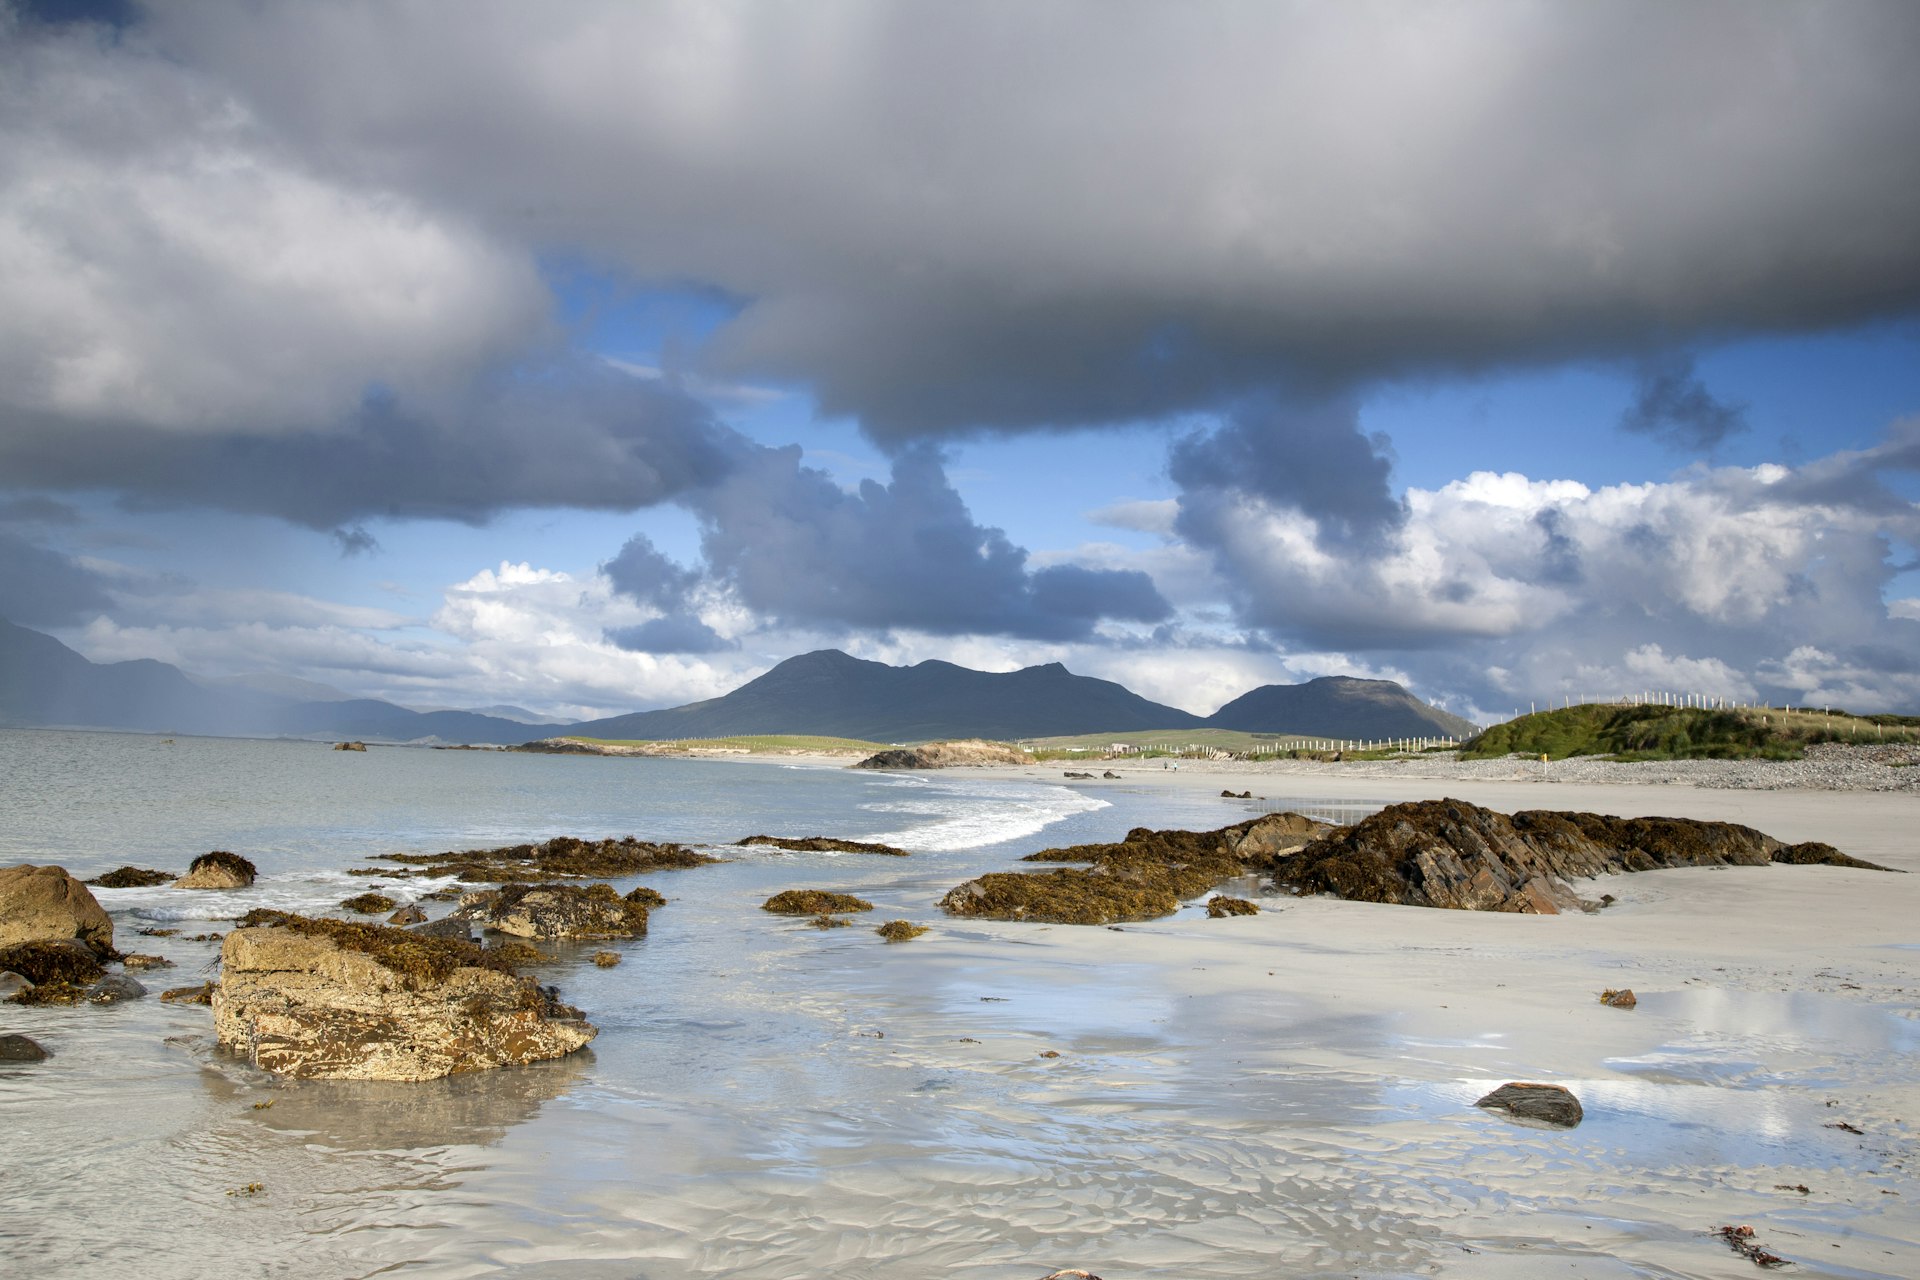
<point>1339,707</point>
<point>832,694</point>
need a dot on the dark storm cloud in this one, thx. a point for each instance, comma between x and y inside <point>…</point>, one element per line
<point>1670,403</point>
<point>582,436</point>
<point>946,217</point>
<point>40,587</point>
<point>37,509</point>
<point>354,542</point>
<point>1314,459</point>
<point>640,572</point>
<point>908,554</point>
<point>675,633</point>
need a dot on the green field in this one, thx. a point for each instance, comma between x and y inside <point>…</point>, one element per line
<point>1683,733</point>
<point>1150,743</point>
<point>770,743</point>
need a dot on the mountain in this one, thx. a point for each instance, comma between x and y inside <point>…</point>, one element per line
<point>42,682</point>
<point>829,693</point>
<point>1339,707</point>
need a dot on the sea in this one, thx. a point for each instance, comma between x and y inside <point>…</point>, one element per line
<point>742,1112</point>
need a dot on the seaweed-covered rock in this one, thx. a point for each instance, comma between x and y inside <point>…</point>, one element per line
<point>646,897</point>
<point>1220,907</point>
<point>561,858</point>
<point>42,963</point>
<point>1068,896</point>
<point>136,962</point>
<point>813,902</point>
<point>1621,999</point>
<point>606,959</point>
<point>900,930</point>
<point>947,755</point>
<point>133,878</point>
<point>822,844</point>
<point>556,911</point>
<point>18,1048</point>
<point>45,904</point>
<point>202,994</point>
<point>349,746</point>
<point>218,870</point>
<point>408,914</point>
<point>331,999</point>
<point>824,921</point>
<point>113,989</point>
<point>368,904</point>
<point>1545,1103</point>
<point>1448,853</point>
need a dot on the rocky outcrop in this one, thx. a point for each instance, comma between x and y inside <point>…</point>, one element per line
<point>17,1048</point>
<point>133,878</point>
<point>328,999</point>
<point>1448,853</point>
<point>822,844</point>
<point>561,858</point>
<point>349,746</point>
<point>813,902</point>
<point>1544,1103</point>
<point>558,911</point>
<point>1221,907</point>
<point>900,930</point>
<point>972,752</point>
<point>218,870</point>
<point>45,904</point>
<point>1146,875</point>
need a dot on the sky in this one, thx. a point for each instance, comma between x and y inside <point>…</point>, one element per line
<point>597,357</point>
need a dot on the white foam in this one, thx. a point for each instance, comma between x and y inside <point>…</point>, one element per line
<point>966,815</point>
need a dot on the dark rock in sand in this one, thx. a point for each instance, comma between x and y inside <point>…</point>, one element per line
<point>18,1048</point>
<point>813,902</point>
<point>822,844</point>
<point>332,999</point>
<point>45,904</point>
<point>133,878</point>
<point>1622,999</point>
<point>1545,1103</point>
<point>1221,907</point>
<point>408,914</point>
<point>1110,774</point>
<point>556,911</point>
<point>218,870</point>
<point>1071,774</point>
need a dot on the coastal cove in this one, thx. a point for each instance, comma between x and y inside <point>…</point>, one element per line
<point>1288,1093</point>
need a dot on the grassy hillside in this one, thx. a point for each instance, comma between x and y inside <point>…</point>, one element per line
<point>1683,733</point>
<point>1154,743</point>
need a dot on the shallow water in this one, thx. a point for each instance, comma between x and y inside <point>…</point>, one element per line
<point>770,1100</point>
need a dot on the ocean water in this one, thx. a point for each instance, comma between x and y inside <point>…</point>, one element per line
<point>770,1100</point>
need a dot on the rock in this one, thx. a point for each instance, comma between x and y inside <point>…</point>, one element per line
<point>813,902</point>
<point>1272,835</point>
<point>368,904</point>
<point>349,746</point>
<point>1219,908</point>
<point>1110,774</point>
<point>971,752</point>
<point>822,844</point>
<point>447,929</point>
<point>136,962</point>
<point>1622,999</point>
<point>45,904</point>
<point>114,989</point>
<point>43,963</point>
<point>202,994</point>
<point>556,911</point>
<point>408,914</point>
<point>13,985</point>
<point>1071,774</point>
<point>18,1048</point>
<point>1448,853</point>
<point>218,870</point>
<point>133,878</point>
<point>331,999</point>
<point>1546,1103</point>
<point>900,930</point>
<point>606,959</point>
<point>561,858</point>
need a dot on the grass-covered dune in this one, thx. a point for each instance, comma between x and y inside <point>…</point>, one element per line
<point>1683,733</point>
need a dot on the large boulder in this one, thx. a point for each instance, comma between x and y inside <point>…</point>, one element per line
<point>45,904</point>
<point>218,870</point>
<point>558,911</point>
<point>328,999</point>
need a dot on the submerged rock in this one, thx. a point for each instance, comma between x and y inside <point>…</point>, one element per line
<point>133,962</point>
<point>133,878</point>
<point>408,914</point>
<point>45,904</point>
<point>606,959</point>
<point>368,904</point>
<point>947,755</point>
<point>113,989</point>
<point>329,999</point>
<point>218,870</point>
<point>900,930</point>
<point>822,844</point>
<point>1546,1103</point>
<point>557,911</point>
<point>202,994</point>
<point>18,1048</point>
<point>813,902</point>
